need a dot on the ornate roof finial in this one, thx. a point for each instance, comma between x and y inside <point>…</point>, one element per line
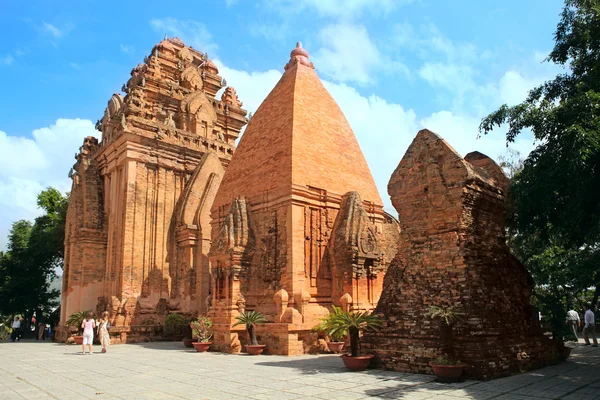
<point>230,97</point>
<point>299,55</point>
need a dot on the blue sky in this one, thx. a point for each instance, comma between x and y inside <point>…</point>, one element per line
<point>393,66</point>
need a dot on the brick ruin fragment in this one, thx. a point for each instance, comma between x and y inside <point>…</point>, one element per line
<point>452,251</point>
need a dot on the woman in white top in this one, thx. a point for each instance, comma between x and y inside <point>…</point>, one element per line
<point>88,326</point>
<point>16,327</point>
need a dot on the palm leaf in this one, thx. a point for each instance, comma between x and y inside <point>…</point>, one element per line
<point>249,318</point>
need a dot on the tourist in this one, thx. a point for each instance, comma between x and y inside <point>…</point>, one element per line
<point>41,333</point>
<point>573,321</point>
<point>590,326</point>
<point>16,330</point>
<point>88,326</point>
<point>103,327</point>
<point>22,328</point>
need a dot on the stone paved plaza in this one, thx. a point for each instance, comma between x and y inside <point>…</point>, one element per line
<point>31,370</point>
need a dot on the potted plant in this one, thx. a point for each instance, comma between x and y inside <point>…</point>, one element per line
<point>336,342</point>
<point>201,331</point>
<point>251,319</point>
<point>355,323</point>
<point>75,320</point>
<point>446,367</point>
<point>175,325</point>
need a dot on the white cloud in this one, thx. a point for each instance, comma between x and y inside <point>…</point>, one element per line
<point>447,75</point>
<point>344,9</point>
<point>55,31</point>
<point>251,87</point>
<point>269,31</point>
<point>193,33</point>
<point>126,49</point>
<point>28,165</point>
<point>7,59</point>
<point>349,55</point>
<point>52,30</point>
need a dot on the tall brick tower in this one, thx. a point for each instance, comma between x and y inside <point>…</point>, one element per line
<point>138,224</point>
<point>297,223</point>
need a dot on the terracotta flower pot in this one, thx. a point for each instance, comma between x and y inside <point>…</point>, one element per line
<point>255,350</point>
<point>201,347</point>
<point>359,363</point>
<point>188,343</point>
<point>335,347</point>
<point>448,373</point>
<point>78,339</point>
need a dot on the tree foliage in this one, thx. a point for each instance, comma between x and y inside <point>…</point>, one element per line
<point>34,253</point>
<point>554,198</point>
<point>557,194</point>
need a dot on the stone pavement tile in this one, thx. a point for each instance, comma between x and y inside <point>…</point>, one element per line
<point>340,395</point>
<point>340,385</point>
<point>437,387</point>
<point>313,380</point>
<point>282,385</point>
<point>415,379</point>
<point>536,392</point>
<point>277,395</point>
<point>471,393</point>
<point>309,391</point>
<point>32,394</point>
<point>371,389</point>
<point>589,390</point>
<point>497,387</point>
<point>575,396</point>
<point>12,396</point>
<point>407,394</point>
<point>510,396</point>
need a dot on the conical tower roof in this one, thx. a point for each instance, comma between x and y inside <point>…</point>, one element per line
<point>298,137</point>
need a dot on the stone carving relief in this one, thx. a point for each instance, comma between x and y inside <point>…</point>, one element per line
<point>355,240</point>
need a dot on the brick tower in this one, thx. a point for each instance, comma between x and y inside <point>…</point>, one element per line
<point>297,223</point>
<point>138,223</point>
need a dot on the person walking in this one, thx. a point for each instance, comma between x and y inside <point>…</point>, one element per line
<point>22,328</point>
<point>88,326</point>
<point>103,327</point>
<point>16,330</point>
<point>41,331</point>
<point>573,321</point>
<point>590,326</point>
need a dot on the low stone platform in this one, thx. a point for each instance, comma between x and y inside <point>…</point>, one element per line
<point>40,370</point>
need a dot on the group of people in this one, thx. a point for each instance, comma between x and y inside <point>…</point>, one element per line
<point>589,324</point>
<point>89,325</point>
<point>41,331</point>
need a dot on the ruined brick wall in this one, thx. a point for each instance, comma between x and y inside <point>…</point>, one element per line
<point>452,252</point>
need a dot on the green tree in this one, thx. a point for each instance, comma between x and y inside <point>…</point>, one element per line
<point>554,200</point>
<point>33,256</point>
